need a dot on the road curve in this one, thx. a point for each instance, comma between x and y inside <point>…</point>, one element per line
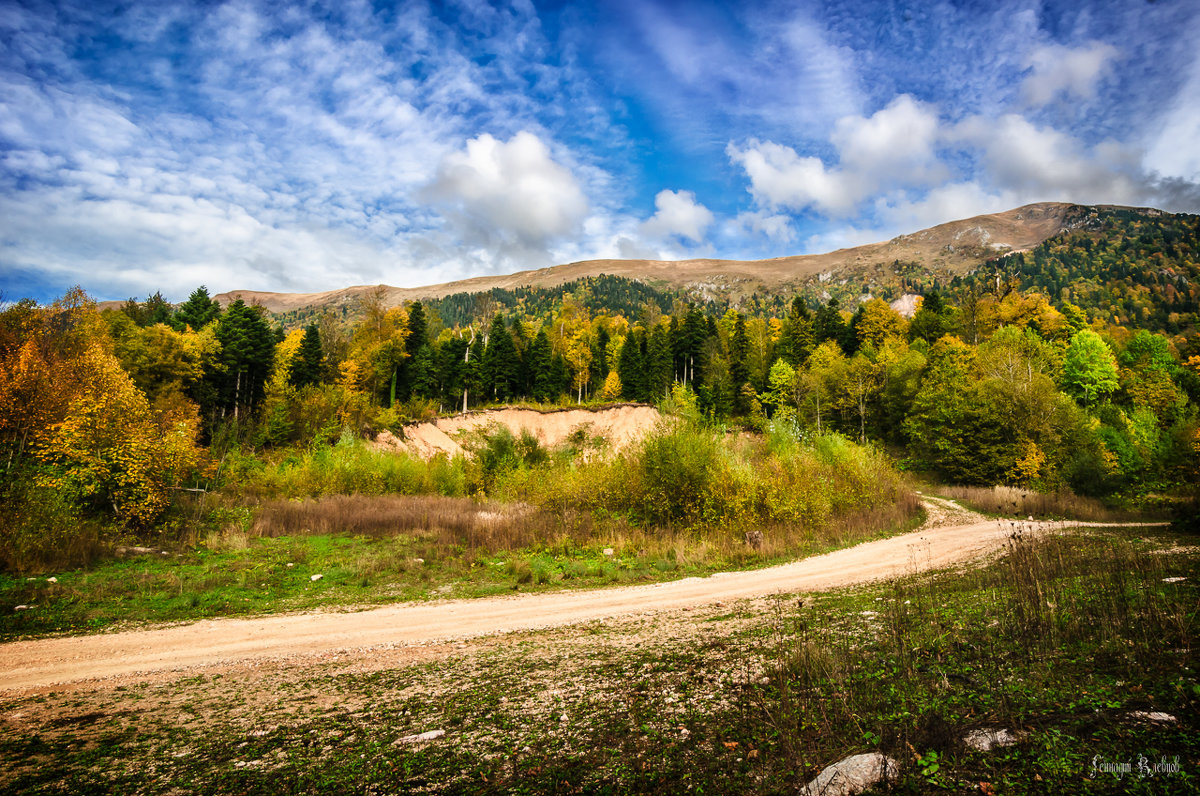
<point>48,662</point>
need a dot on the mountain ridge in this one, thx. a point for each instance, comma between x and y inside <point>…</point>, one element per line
<point>946,250</point>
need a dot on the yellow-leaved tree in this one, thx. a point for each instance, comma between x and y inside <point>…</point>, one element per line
<point>109,451</point>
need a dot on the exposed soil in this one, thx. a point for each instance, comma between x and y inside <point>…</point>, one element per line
<point>400,633</point>
<point>617,425</point>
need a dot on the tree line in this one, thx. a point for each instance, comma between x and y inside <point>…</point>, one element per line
<point>115,409</point>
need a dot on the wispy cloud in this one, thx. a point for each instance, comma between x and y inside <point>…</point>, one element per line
<point>150,146</point>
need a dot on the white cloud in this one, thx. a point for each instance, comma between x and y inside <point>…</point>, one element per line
<point>512,196</point>
<point>777,227</point>
<point>779,177</point>
<point>894,146</point>
<point>1046,163</point>
<point>1180,122</point>
<point>678,213</point>
<point>1067,71</point>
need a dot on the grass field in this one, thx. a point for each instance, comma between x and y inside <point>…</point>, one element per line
<point>427,548</point>
<point>1066,642</point>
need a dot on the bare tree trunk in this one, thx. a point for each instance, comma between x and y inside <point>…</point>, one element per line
<point>817,393</point>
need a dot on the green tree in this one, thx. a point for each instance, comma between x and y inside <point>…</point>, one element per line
<point>1089,369</point>
<point>247,355</point>
<point>307,365</point>
<point>452,369</point>
<point>796,341</point>
<point>501,367</point>
<point>198,311</point>
<point>947,427</point>
<point>422,373</point>
<point>933,320</point>
<point>541,368</point>
<point>739,366</point>
<point>631,368</point>
<point>658,364</point>
<point>828,325</point>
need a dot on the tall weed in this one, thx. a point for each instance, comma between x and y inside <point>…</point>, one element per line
<point>353,468</point>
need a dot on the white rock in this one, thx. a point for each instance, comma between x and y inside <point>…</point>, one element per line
<point>852,775</point>
<point>608,551</point>
<point>420,738</point>
<point>316,577</point>
<point>290,564</point>
<point>985,740</point>
<point>55,580</point>
<point>1155,716</point>
<point>1173,580</point>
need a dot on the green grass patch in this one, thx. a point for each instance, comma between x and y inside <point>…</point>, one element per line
<point>1060,642</point>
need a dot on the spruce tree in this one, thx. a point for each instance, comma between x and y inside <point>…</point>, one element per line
<point>739,368</point>
<point>422,373</point>
<point>501,367</point>
<point>198,311</point>
<point>796,342</point>
<point>452,370</point>
<point>631,368</point>
<point>658,364</point>
<point>541,362</point>
<point>474,390</point>
<point>306,365</point>
<point>247,354</point>
<point>828,324</point>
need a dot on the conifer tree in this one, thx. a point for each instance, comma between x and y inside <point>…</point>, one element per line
<point>501,368</point>
<point>473,378</point>
<point>422,373</point>
<point>306,365</point>
<point>828,324</point>
<point>247,354</point>
<point>631,369</point>
<point>198,311</point>
<point>796,342</point>
<point>739,370</point>
<point>658,364</point>
<point>452,370</point>
<point>541,362</point>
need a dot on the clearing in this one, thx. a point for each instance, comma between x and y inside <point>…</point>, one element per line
<point>391,634</point>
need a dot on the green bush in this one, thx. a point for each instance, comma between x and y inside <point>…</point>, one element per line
<point>41,529</point>
<point>688,476</point>
<point>353,468</point>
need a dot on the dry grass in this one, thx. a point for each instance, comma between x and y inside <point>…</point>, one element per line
<point>460,522</point>
<point>464,525</point>
<point>1016,502</point>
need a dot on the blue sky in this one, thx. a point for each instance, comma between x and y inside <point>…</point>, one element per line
<point>159,146</point>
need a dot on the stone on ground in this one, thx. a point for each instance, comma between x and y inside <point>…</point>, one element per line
<point>852,775</point>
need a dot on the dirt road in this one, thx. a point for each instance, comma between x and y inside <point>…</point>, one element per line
<point>952,536</point>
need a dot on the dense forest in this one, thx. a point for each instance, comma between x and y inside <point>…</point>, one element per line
<point>1072,367</point>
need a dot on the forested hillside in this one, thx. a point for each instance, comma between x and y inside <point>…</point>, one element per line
<point>1124,266</point>
<point>1075,366</point>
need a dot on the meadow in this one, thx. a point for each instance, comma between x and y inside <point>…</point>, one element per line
<point>1076,651</point>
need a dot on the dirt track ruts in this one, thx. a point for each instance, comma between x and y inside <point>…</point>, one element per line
<point>132,655</point>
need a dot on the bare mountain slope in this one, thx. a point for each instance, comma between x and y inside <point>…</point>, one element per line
<point>952,248</point>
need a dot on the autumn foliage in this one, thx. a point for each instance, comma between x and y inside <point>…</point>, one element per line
<point>74,425</point>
